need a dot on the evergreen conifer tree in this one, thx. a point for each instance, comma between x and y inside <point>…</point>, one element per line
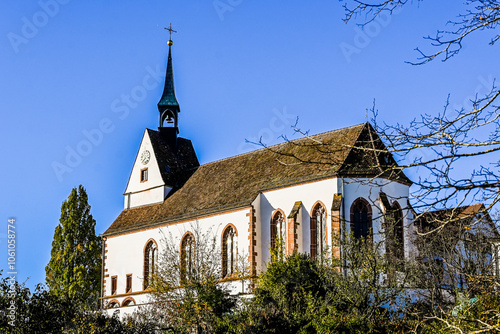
<point>74,270</point>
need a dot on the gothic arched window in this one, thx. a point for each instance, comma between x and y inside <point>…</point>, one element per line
<point>395,232</point>
<point>187,256</point>
<point>150,257</point>
<point>278,229</point>
<point>318,230</point>
<point>361,219</point>
<point>228,251</point>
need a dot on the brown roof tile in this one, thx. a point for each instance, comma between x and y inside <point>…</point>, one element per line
<point>176,165</point>
<point>235,182</point>
<point>462,215</point>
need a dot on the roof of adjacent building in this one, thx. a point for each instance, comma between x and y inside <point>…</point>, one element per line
<point>442,230</point>
<point>461,215</point>
<point>457,221</point>
<point>235,182</point>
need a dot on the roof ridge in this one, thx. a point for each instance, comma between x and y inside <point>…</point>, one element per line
<point>351,148</point>
<point>276,145</point>
<point>458,209</point>
<point>158,132</point>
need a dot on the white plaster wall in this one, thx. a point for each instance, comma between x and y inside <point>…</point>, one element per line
<point>323,191</point>
<point>284,199</point>
<point>370,190</point>
<point>125,253</point>
<point>237,287</point>
<point>305,230</point>
<point>123,311</point>
<point>146,197</point>
<point>151,191</point>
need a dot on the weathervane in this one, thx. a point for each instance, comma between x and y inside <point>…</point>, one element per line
<point>170,30</point>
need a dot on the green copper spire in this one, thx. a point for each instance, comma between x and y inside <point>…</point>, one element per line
<point>168,105</point>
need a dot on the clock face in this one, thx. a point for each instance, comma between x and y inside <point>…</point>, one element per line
<point>145,156</point>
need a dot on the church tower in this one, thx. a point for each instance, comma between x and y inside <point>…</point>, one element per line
<point>168,106</point>
<point>165,161</point>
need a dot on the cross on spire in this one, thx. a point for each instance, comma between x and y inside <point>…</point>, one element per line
<point>170,30</point>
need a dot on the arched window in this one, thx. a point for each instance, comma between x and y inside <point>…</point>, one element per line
<point>150,257</point>
<point>187,256</point>
<point>113,304</point>
<point>278,231</point>
<point>228,251</point>
<point>318,230</point>
<point>395,232</point>
<point>129,301</point>
<point>361,218</point>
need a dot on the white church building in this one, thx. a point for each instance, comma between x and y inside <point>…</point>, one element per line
<point>306,192</point>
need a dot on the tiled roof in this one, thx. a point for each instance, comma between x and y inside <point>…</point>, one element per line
<point>462,215</point>
<point>443,229</point>
<point>175,167</point>
<point>235,182</point>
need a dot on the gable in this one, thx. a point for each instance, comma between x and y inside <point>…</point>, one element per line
<point>369,158</point>
<point>158,169</point>
<point>155,179</point>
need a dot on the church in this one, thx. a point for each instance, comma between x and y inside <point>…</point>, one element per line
<point>306,193</point>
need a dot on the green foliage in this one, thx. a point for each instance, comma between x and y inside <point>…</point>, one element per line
<point>203,307</point>
<point>187,298</point>
<point>43,312</point>
<point>297,294</point>
<point>101,323</point>
<point>74,269</point>
<point>470,315</point>
<point>284,293</point>
<point>26,312</point>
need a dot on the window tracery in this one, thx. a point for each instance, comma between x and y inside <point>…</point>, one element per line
<point>361,219</point>
<point>229,252</point>
<point>318,230</point>
<point>150,257</point>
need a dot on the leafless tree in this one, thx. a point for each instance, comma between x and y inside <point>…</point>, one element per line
<point>479,15</point>
<point>455,151</point>
<point>456,155</point>
<point>186,293</point>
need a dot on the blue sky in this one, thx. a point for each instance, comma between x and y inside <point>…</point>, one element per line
<point>243,69</point>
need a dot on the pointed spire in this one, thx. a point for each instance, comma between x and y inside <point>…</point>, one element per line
<point>168,105</point>
<point>168,100</point>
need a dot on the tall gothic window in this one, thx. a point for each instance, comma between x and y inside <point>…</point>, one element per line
<point>228,251</point>
<point>318,230</point>
<point>361,219</point>
<point>187,256</point>
<point>395,232</point>
<point>278,229</point>
<point>150,256</point>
